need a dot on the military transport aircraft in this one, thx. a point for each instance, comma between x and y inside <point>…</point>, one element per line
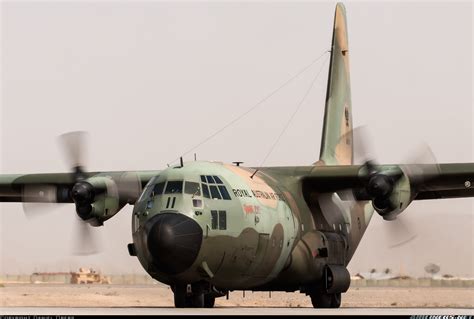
<point>207,228</point>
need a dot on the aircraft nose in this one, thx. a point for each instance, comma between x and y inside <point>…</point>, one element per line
<point>174,241</point>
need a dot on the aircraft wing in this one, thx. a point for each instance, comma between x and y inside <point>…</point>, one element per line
<point>450,180</point>
<point>56,187</point>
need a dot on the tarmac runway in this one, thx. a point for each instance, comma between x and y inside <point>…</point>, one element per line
<point>16,311</point>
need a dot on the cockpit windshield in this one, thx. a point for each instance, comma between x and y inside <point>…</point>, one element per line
<point>192,188</point>
<point>210,187</point>
<point>174,187</point>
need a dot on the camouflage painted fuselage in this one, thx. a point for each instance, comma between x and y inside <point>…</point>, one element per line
<point>272,237</point>
<point>220,227</point>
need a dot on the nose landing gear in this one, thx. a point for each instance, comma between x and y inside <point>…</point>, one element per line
<point>193,296</point>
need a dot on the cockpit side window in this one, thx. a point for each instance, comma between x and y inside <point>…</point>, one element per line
<point>210,180</point>
<point>158,189</point>
<point>192,188</point>
<point>224,192</point>
<point>174,187</point>
<point>218,191</point>
<point>148,189</point>
<point>214,192</point>
<point>205,191</point>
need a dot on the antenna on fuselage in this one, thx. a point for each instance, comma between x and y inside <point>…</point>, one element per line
<point>251,176</point>
<point>181,161</point>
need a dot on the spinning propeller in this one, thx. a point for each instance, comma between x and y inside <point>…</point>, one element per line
<point>80,189</point>
<point>382,185</point>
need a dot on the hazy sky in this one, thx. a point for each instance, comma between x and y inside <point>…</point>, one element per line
<point>149,80</point>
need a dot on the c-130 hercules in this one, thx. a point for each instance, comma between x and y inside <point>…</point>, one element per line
<point>207,228</point>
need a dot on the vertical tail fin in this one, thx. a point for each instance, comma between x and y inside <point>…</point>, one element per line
<point>336,143</point>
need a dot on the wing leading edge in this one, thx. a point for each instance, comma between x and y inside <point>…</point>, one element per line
<point>454,180</point>
<point>38,187</point>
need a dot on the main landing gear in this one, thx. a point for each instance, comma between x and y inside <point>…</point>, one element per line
<point>190,296</point>
<point>324,300</point>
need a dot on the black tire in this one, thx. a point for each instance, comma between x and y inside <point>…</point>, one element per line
<point>322,300</point>
<point>336,300</point>
<point>209,301</point>
<point>181,299</point>
<point>197,300</point>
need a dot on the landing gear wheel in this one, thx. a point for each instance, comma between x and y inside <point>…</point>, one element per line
<point>209,301</point>
<point>181,300</point>
<point>184,300</point>
<point>336,300</point>
<point>197,300</point>
<point>322,300</point>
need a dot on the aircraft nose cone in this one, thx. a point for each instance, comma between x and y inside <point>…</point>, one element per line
<point>174,241</point>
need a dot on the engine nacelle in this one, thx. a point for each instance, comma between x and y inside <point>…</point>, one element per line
<point>396,201</point>
<point>97,199</point>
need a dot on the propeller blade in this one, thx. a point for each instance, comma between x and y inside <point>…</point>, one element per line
<point>86,241</point>
<point>73,146</point>
<point>421,165</point>
<point>398,232</point>
<point>35,210</point>
<point>363,147</point>
<point>40,193</point>
<point>39,200</point>
<point>129,187</point>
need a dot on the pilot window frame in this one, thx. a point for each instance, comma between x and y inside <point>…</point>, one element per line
<point>214,188</point>
<point>195,191</point>
<point>157,187</point>
<point>224,192</point>
<point>179,189</point>
<point>210,179</point>
<point>218,180</point>
<point>205,191</point>
<point>215,194</point>
<point>147,192</point>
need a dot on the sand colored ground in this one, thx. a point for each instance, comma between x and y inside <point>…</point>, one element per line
<point>25,295</point>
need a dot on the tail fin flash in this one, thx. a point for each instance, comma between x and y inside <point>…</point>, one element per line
<point>336,144</point>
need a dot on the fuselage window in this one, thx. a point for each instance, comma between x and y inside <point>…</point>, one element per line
<point>218,180</point>
<point>205,191</point>
<point>210,180</point>
<point>224,192</point>
<point>222,219</point>
<point>214,219</point>
<point>158,189</point>
<point>197,203</point>
<point>214,192</point>
<point>192,188</point>
<point>174,187</point>
<point>203,179</point>
<point>218,219</point>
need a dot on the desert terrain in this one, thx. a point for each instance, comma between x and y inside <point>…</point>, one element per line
<point>65,295</point>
